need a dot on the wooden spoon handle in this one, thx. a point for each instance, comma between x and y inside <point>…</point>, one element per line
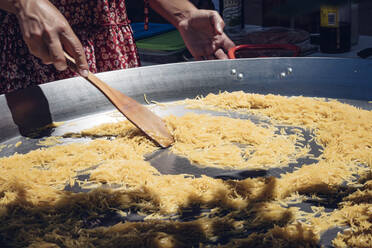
<point>98,83</point>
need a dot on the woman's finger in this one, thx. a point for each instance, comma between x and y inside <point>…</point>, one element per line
<point>56,53</point>
<point>220,54</point>
<point>208,48</point>
<point>226,43</point>
<point>73,46</point>
<point>217,22</point>
<point>39,48</point>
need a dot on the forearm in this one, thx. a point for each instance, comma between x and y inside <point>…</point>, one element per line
<point>173,10</point>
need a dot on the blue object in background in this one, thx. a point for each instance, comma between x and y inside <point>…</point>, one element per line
<point>139,31</point>
<point>216,5</point>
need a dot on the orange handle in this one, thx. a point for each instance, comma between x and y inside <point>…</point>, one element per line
<point>290,47</point>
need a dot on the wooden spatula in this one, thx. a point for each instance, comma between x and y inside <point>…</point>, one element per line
<point>151,124</point>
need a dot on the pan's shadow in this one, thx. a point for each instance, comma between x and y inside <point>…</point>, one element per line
<point>92,220</point>
<point>112,218</point>
<point>168,163</point>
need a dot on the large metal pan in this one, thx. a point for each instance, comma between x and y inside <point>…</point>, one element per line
<point>349,80</point>
<point>321,77</point>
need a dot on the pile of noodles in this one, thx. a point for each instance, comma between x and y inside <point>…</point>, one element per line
<point>36,210</point>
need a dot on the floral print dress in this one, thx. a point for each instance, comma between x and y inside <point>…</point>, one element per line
<point>102,27</point>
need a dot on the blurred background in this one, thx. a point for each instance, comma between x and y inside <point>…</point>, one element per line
<point>263,22</point>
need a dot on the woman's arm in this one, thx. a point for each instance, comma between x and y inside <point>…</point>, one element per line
<point>175,11</point>
<point>202,30</point>
<point>46,32</point>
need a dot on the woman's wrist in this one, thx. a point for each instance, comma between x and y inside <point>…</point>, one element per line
<point>181,17</point>
<point>175,11</point>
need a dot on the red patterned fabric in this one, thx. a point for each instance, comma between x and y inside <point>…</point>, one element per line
<point>146,21</point>
<point>101,25</point>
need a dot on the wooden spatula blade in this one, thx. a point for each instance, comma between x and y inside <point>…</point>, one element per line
<point>144,119</point>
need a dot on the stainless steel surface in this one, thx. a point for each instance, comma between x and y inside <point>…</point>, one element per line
<point>322,77</point>
<point>80,105</point>
<point>74,100</point>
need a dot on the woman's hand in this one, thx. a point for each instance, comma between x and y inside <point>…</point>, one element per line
<point>202,31</point>
<point>47,34</point>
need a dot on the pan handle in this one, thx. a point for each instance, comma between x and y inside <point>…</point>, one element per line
<point>294,48</point>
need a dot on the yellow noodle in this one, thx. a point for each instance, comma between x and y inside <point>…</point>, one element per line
<point>33,184</point>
